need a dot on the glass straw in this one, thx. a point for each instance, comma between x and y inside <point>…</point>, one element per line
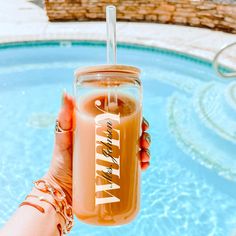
<point>111,50</point>
<point>111,34</point>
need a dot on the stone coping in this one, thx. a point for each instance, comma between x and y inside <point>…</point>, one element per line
<point>31,24</point>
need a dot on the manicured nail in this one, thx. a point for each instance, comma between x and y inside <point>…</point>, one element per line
<point>148,138</point>
<point>148,152</point>
<point>145,122</point>
<point>145,165</point>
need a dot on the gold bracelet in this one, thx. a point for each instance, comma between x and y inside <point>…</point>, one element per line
<point>60,198</point>
<point>25,203</point>
<point>43,199</point>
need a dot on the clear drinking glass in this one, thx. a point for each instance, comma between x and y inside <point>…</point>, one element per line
<point>106,170</point>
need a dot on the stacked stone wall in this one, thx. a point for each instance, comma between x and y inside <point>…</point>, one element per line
<point>219,15</point>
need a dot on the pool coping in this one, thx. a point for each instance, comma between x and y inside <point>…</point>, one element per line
<point>201,53</point>
<point>31,24</point>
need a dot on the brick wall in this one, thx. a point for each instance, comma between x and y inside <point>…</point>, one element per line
<point>219,15</point>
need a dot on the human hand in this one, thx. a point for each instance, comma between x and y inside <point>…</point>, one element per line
<point>60,171</point>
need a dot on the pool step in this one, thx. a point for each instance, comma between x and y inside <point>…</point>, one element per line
<point>194,139</point>
<point>214,111</point>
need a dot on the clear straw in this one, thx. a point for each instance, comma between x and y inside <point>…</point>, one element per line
<point>111,34</point>
<point>111,51</point>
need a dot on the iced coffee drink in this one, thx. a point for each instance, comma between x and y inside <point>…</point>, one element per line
<point>106,168</point>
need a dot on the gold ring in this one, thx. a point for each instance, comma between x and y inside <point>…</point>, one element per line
<point>59,130</point>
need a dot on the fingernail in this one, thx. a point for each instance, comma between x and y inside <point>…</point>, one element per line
<point>145,122</point>
<point>148,138</point>
<point>145,165</point>
<point>148,152</point>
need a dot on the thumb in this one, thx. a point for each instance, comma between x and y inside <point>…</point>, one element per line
<point>63,140</point>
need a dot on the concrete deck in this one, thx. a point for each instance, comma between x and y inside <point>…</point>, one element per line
<point>21,20</point>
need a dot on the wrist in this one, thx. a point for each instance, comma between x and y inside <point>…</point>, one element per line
<point>49,198</point>
<point>44,203</point>
<point>60,203</point>
<point>56,184</point>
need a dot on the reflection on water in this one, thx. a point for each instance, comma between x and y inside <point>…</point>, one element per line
<point>190,188</point>
<point>205,129</point>
<point>37,120</point>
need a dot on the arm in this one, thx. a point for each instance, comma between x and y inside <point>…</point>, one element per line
<point>28,221</point>
<point>40,218</point>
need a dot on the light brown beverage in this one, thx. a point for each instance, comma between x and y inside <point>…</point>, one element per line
<point>105,162</point>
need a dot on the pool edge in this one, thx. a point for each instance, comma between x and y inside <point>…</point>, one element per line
<point>123,43</point>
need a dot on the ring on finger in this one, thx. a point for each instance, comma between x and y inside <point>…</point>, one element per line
<point>59,129</point>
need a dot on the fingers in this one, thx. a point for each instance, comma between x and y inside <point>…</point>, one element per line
<point>144,155</point>
<point>60,170</point>
<point>65,118</point>
<point>144,165</point>
<point>144,159</point>
<point>145,142</point>
<point>66,113</point>
<point>145,124</point>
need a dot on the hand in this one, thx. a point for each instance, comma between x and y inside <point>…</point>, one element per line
<point>60,171</point>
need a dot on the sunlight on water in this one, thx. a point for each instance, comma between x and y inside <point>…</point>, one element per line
<point>190,188</point>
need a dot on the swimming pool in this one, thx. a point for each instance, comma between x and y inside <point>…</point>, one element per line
<point>190,188</point>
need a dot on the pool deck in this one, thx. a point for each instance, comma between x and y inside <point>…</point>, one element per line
<point>21,20</point>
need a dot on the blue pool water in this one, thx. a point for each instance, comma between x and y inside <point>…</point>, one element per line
<point>190,188</point>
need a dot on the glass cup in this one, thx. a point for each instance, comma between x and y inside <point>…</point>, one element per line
<point>106,169</point>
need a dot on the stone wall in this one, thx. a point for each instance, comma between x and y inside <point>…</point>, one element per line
<point>219,15</point>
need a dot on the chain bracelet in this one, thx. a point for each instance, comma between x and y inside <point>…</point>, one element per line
<point>60,198</point>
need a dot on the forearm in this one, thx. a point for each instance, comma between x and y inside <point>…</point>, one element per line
<point>46,211</point>
<point>28,220</point>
